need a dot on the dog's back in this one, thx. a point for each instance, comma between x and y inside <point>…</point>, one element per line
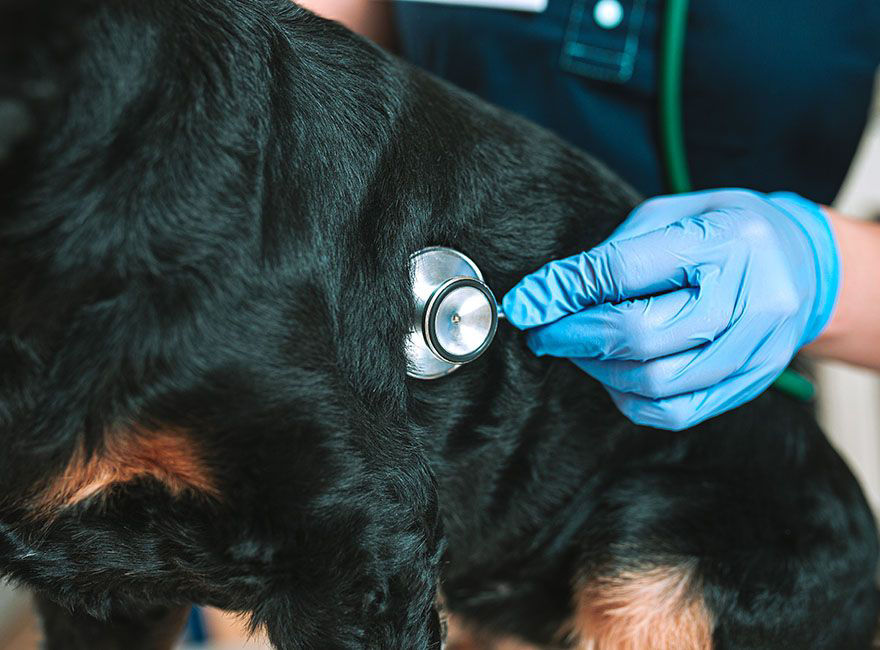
<point>204,300</point>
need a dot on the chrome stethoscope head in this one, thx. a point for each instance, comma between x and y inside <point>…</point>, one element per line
<point>456,314</point>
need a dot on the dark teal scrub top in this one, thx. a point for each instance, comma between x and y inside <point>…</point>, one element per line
<point>776,92</point>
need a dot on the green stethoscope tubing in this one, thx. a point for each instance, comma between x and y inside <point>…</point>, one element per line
<point>673,148</point>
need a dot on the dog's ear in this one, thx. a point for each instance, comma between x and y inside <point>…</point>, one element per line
<point>133,154</point>
<point>41,46</point>
<point>39,40</point>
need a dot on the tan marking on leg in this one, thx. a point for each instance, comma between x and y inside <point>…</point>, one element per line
<point>464,636</point>
<point>169,457</point>
<point>655,609</point>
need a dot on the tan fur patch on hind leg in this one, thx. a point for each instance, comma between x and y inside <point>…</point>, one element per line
<point>657,609</point>
<point>462,636</point>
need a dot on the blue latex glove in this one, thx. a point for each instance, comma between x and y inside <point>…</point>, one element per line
<point>693,306</point>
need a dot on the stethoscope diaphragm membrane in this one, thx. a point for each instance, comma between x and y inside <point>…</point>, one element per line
<point>456,315</point>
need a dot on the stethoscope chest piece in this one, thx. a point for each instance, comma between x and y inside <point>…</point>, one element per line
<point>456,314</point>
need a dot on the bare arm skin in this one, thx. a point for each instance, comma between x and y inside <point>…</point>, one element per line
<point>853,334</point>
<point>370,18</point>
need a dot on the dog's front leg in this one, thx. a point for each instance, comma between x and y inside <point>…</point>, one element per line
<point>366,577</point>
<point>149,628</point>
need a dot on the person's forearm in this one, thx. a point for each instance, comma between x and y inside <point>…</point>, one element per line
<point>853,333</point>
<point>367,17</point>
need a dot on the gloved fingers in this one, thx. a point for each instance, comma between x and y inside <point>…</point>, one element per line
<point>657,261</point>
<point>696,369</point>
<point>660,378</point>
<point>688,410</point>
<point>637,330</point>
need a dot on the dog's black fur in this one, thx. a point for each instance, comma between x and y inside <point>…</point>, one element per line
<point>207,213</point>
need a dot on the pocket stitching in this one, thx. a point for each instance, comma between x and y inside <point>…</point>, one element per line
<point>626,57</point>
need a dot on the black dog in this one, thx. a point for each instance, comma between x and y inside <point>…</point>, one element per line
<point>207,214</point>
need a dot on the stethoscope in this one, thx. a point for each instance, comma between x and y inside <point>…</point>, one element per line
<point>456,315</point>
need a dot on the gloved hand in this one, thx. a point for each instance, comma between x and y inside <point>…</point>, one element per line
<point>693,306</point>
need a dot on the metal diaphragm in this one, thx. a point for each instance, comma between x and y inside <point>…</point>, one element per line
<point>456,314</point>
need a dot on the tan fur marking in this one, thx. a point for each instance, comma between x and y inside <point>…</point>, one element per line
<point>169,457</point>
<point>462,636</point>
<point>657,609</point>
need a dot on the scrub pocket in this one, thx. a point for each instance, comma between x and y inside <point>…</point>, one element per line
<point>602,38</point>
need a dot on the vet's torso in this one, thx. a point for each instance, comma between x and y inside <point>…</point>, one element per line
<point>775,96</point>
